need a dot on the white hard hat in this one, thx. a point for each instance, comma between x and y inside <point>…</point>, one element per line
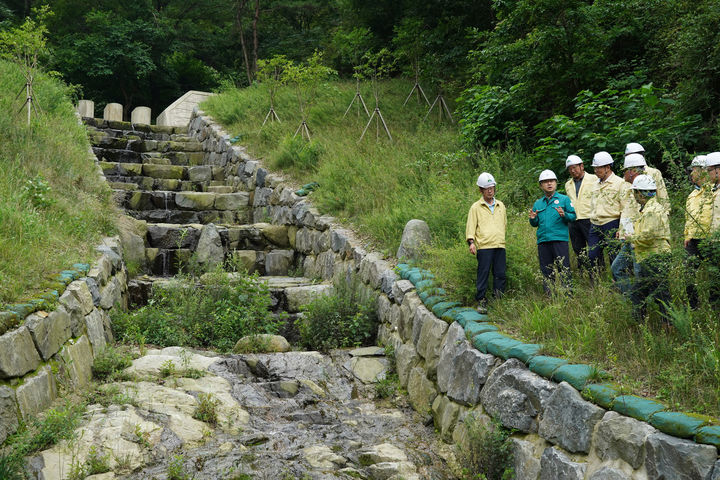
<point>644,182</point>
<point>547,175</point>
<point>634,160</point>
<point>634,148</point>
<point>698,161</point>
<point>712,159</point>
<point>600,159</point>
<point>573,160</point>
<point>485,180</point>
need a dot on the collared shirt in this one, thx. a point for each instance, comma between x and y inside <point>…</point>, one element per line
<point>581,200</point>
<point>491,206</point>
<point>551,227</point>
<point>606,200</point>
<point>699,212</point>
<point>486,226</point>
<point>652,230</point>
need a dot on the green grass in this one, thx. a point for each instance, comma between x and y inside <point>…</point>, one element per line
<point>53,207</point>
<point>425,173</point>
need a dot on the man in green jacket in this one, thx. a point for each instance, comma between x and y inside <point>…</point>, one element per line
<point>551,215</point>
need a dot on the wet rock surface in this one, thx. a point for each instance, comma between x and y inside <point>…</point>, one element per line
<point>281,415</point>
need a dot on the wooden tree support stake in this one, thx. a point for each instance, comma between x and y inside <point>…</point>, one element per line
<point>377,115</point>
<point>442,106</point>
<point>358,96</point>
<point>272,116</point>
<point>303,130</point>
<point>417,88</point>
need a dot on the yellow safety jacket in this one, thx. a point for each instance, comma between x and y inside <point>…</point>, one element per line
<point>652,230</point>
<point>715,224</point>
<point>581,200</point>
<point>699,212</point>
<point>606,200</point>
<point>631,209</point>
<point>662,193</point>
<point>485,227</point>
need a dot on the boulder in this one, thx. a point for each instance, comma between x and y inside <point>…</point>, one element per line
<point>264,342</point>
<point>36,393</point>
<point>246,259</point>
<point>278,262</point>
<point>231,201</point>
<point>132,234</point>
<point>195,200</point>
<point>515,396</point>
<point>385,452</point>
<point>462,371</point>
<point>18,354</point>
<point>671,457</point>
<point>276,235</point>
<point>526,463</point>
<point>609,473</point>
<point>368,369</point>
<point>617,436</point>
<point>415,238</point>
<point>49,332</point>
<point>400,288</point>
<point>406,359</point>
<point>8,413</point>
<point>421,391</point>
<point>299,296</point>
<point>77,360</point>
<point>431,338</point>
<point>96,331</point>
<point>210,252</point>
<point>109,296</point>
<point>446,414</point>
<point>321,457</point>
<point>569,420</point>
<point>555,465</point>
<point>167,235</point>
<point>201,173</point>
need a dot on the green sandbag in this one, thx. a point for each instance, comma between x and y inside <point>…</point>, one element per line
<point>500,347</point>
<point>431,301</point>
<point>439,308</point>
<point>83,268</point>
<point>709,435</point>
<point>481,341</point>
<point>405,274</point>
<point>525,351</point>
<point>545,366</point>
<point>431,292</point>
<point>470,315</point>
<point>74,274</point>
<point>678,424</point>
<point>602,394</point>
<point>474,328</point>
<point>301,192</point>
<point>637,407</point>
<point>424,285</point>
<point>401,267</point>
<point>449,315</point>
<point>21,309</point>
<point>419,276</point>
<point>576,375</point>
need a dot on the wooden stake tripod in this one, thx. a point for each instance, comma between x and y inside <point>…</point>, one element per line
<point>361,101</point>
<point>30,100</point>
<point>442,106</point>
<point>272,116</point>
<point>377,115</point>
<point>303,130</point>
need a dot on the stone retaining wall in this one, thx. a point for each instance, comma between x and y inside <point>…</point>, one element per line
<point>54,351</point>
<point>559,434</point>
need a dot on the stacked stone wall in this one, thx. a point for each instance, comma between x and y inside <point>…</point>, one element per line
<point>558,433</point>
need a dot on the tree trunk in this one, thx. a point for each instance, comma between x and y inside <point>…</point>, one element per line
<point>238,20</point>
<point>255,36</point>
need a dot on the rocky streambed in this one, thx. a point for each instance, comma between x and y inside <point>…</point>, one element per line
<point>287,415</point>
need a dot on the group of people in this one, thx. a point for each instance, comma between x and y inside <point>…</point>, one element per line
<point>627,218</point>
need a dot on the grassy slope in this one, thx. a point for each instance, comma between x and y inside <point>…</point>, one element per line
<point>36,242</point>
<point>424,174</point>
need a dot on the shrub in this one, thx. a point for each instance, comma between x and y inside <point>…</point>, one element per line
<point>109,362</point>
<point>176,469</point>
<point>216,313</point>
<point>206,410</point>
<point>489,454</point>
<point>337,321</point>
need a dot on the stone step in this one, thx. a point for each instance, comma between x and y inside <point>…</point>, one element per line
<point>170,261</point>
<point>256,237</point>
<point>238,217</point>
<point>130,128</point>
<point>135,171</point>
<point>183,200</point>
<point>119,182</point>
<point>152,157</point>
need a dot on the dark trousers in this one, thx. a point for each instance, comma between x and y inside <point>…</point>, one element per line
<point>651,282</point>
<point>602,237</point>
<point>554,257</point>
<point>488,258</point>
<point>693,261</point>
<point>579,236</point>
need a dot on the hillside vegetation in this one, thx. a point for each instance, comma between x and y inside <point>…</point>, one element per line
<point>54,208</point>
<point>427,172</point>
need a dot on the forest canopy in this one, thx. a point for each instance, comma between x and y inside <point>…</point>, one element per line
<point>527,72</point>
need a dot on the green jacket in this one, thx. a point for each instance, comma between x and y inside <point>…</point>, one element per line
<point>551,227</point>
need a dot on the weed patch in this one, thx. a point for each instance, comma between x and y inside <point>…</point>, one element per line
<point>489,453</point>
<point>109,362</point>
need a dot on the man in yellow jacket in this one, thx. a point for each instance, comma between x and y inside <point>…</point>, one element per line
<point>651,240</point>
<point>579,188</point>
<point>712,164</point>
<point>485,236</point>
<point>698,219</point>
<point>644,168</point>
<point>606,203</point>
